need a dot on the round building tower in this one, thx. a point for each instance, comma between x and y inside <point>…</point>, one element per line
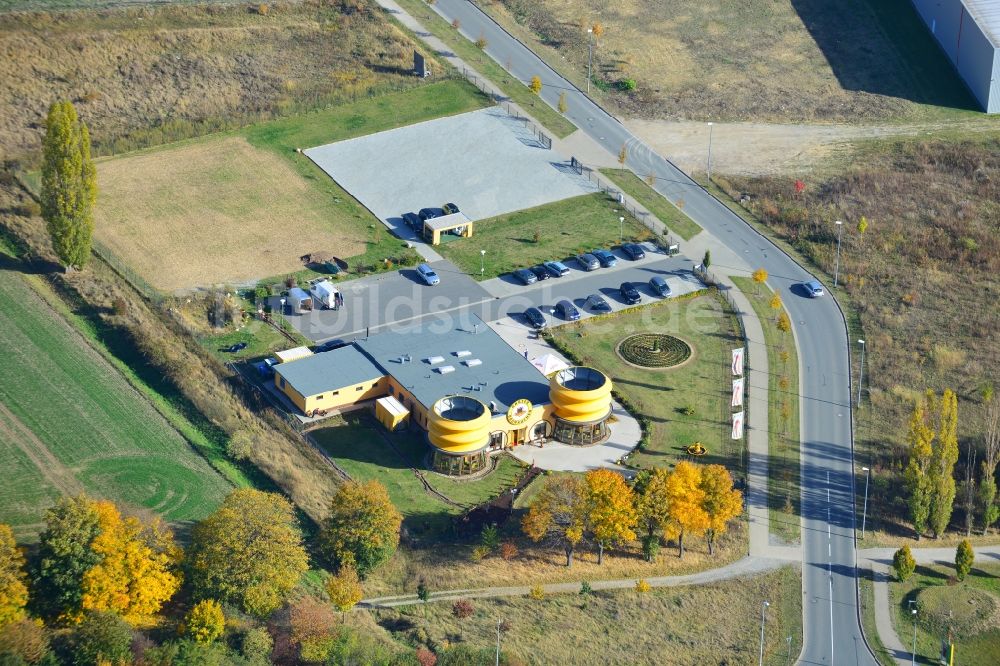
<point>581,398</point>
<point>459,432</point>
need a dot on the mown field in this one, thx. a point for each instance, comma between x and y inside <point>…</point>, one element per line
<point>707,624</point>
<point>235,208</point>
<point>779,60</point>
<point>70,423</point>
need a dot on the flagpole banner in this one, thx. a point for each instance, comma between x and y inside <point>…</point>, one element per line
<point>738,392</point>
<point>738,361</point>
<point>738,425</point>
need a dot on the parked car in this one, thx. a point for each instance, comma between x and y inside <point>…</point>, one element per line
<point>413,221</point>
<point>567,310</point>
<point>813,288</point>
<point>633,251</point>
<point>556,268</point>
<point>237,347</point>
<point>606,258</point>
<point>526,276</point>
<point>450,208</point>
<point>630,293</point>
<point>428,275</point>
<point>588,262</point>
<point>330,345</point>
<point>597,303</point>
<point>535,318</point>
<point>429,213</point>
<point>659,285</point>
<point>541,272</point>
<point>266,367</point>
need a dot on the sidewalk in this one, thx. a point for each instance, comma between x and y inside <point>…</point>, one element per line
<point>880,562</point>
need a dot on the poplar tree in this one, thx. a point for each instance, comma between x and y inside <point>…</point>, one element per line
<point>942,469</point>
<point>919,437</point>
<point>69,185</point>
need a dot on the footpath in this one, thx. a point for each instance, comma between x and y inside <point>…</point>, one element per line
<point>879,560</point>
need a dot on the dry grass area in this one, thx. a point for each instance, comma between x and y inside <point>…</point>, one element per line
<point>455,568</point>
<point>922,282</point>
<point>707,624</point>
<point>778,60</point>
<point>144,75</point>
<point>178,212</point>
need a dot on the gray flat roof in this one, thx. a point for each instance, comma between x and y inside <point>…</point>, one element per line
<point>446,221</point>
<point>986,13</point>
<point>329,370</point>
<point>483,366</point>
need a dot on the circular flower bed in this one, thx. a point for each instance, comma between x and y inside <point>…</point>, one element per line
<point>968,611</point>
<point>654,350</point>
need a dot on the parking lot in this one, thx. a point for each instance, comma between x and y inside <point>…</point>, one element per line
<point>485,161</point>
<point>401,298</point>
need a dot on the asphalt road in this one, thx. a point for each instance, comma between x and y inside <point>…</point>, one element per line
<point>832,631</point>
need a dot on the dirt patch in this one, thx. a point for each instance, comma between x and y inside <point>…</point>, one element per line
<point>213,212</point>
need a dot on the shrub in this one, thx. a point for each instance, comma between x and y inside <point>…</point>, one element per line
<point>537,592</point>
<point>462,609</point>
<point>627,85</point>
<point>903,563</point>
<point>25,640</point>
<point>490,537</point>
<point>425,657</point>
<point>585,588</point>
<point>480,552</point>
<point>205,622</point>
<point>481,43</point>
<point>256,646</point>
<point>964,557</point>
<point>456,24</point>
<point>101,638</point>
<point>261,292</point>
<point>508,551</point>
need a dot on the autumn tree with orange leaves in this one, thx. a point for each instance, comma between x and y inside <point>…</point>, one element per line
<point>610,509</point>
<point>721,502</point>
<point>686,502</point>
<point>559,514</point>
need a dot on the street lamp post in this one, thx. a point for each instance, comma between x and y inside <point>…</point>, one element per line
<point>282,301</point>
<point>710,126</point>
<point>913,652</point>
<point>621,230</point>
<point>864,513</point>
<point>861,371</point>
<point>836,270</point>
<point>762,609</point>
<point>498,642</point>
<point>590,56</point>
<point>788,653</point>
<point>482,262</point>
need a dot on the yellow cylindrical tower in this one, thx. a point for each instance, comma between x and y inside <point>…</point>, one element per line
<point>458,428</point>
<point>580,394</point>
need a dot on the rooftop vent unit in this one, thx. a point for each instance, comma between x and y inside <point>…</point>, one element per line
<point>432,360</point>
<point>472,362</point>
<point>479,388</point>
<point>493,406</point>
<point>463,353</point>
<point>445,369</point>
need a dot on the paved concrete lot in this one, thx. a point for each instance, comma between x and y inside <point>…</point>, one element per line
<point>401,298</point>
<point>485,161</point>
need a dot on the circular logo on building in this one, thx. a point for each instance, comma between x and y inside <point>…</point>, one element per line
<point>519,412</point>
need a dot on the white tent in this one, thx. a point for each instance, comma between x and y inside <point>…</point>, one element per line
<point>549,363</point>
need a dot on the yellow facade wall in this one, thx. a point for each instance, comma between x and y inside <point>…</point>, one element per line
<point>334,399</point>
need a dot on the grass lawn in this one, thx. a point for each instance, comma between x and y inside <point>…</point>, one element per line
<point>654,202</point>
<point>365,454</point>
<point>71,423</point>
<point>678,625</point>
<point>564,229</point>
<point>518,92</point>
<point>784,494</point>
<point>661,396</point>
<point>973,604</point>
<point>243,206</point>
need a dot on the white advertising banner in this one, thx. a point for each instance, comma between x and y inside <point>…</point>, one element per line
<point>738,425</point>
<point>738,392</point>
<point>738,362</point>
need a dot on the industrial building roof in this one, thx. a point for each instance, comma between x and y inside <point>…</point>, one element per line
<point>469,359</point>
<point>329,370</point>
<point>986,13</point>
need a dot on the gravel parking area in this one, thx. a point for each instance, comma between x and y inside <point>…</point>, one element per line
<point>486,162</point>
